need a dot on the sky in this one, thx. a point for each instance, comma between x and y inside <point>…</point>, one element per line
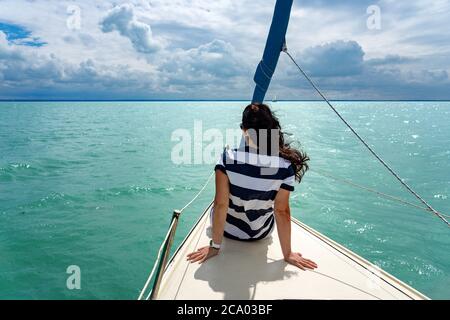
<point>203,49</point>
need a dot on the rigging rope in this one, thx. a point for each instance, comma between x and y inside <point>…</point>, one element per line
<point>198,194</point>
<point>430,208</point>
<point>166,239</point>
<point>379,193</point>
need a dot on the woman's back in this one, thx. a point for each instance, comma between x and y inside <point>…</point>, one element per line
<point>254,183</point>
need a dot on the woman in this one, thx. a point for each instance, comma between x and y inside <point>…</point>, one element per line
<point>253,184</point>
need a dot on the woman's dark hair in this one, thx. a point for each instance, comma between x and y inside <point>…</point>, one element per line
<point>258,116</point>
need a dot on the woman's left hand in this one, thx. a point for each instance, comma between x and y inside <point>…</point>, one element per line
<point>202,254</point>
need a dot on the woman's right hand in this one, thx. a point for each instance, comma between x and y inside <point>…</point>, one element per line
<point>202,254</point>
<point>296,259</point>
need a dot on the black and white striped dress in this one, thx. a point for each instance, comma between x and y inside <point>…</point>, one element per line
<point>254,183</point>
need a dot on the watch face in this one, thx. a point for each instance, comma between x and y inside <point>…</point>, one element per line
<point>211,244</point>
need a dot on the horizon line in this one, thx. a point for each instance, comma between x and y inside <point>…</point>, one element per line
<point>220,100</point>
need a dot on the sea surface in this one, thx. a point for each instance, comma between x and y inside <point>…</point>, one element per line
<point>93,185</point>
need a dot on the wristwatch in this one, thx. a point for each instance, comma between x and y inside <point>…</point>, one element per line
<point>214,245</point>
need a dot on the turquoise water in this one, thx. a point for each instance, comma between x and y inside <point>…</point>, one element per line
<point>92,184</point>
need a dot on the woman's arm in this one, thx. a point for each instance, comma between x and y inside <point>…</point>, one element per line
<point>283,220</point>
<point>221,200</point>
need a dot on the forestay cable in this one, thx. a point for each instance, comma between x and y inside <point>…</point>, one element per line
<point>430,208</point>
<point>371,190</point>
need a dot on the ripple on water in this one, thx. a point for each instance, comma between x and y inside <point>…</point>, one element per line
<point>326,210</point>
<point>52,199</point>
<point>12,167</point>
<point>136,190</point>
<point>349,222</point>
<point>19,171</point>
<point>423,268</point>
<point>366,227</point>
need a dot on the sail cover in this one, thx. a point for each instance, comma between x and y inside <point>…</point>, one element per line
<point>274,45</point>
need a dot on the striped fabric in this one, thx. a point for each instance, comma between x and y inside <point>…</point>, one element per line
<point>254,183</point>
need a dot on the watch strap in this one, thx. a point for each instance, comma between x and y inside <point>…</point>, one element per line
<point>214,245</point>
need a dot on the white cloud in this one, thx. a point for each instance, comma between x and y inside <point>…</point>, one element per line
<point>31,74</point>
<point>336,59</point>
<point>217,59</point>
<point>122,18</point>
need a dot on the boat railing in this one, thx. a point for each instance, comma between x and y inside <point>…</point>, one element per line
<point>164,251</point>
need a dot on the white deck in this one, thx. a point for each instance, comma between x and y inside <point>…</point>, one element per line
<point>256,270</point>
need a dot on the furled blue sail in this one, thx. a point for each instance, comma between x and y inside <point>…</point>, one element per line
<point>274,46</point>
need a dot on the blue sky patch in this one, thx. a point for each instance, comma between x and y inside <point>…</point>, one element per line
<point>20,35</point>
